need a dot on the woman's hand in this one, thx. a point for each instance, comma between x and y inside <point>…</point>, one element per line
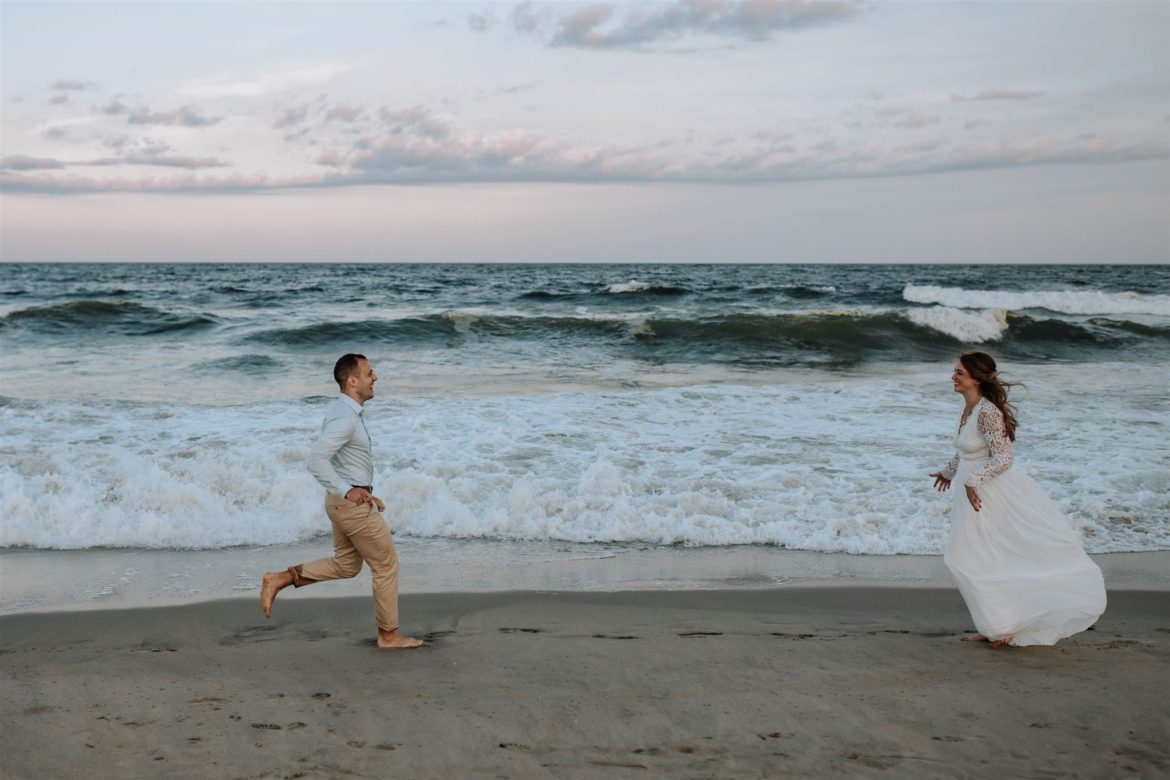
<point>973,497</point>
<point>941,483</point>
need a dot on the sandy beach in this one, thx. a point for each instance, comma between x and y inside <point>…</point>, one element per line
<point>796,682</point>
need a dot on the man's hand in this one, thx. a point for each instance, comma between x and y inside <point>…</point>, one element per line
<point>361,496</point>
<point>358,495</point>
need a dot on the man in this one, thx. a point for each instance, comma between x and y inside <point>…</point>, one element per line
<point>343,463</point>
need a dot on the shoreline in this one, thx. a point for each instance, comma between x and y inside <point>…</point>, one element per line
<point>85,580</point>
<point>854,682</point>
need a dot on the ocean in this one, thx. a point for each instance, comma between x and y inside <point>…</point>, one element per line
<point>171,407</point>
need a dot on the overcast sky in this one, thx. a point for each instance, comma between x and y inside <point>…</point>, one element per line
<point>700,130</point>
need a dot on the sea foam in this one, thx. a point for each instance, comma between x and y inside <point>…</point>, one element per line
<point>1064,301</point>
<point>971,327</point>
<point>830,464</point>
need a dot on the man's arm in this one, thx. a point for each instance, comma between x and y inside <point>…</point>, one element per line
<point>335,433</point>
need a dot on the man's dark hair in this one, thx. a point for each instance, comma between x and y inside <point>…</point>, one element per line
<point>345,367</point>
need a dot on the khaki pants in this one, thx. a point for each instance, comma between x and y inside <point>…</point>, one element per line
<point>359,534</point>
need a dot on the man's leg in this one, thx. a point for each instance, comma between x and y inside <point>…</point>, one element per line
<point>370,535</point>
<point>345,563</point>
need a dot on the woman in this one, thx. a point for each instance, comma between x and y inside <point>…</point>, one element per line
<point>1019,565</point>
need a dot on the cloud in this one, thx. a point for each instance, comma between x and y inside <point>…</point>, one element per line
<point>183,116</point>
<point>142,152</point>
<point>610,26</point>
<point>417,120</point>
<point>292,116</point>
<point>161,161</point>
<point>415,145</point>
<point>481,22</point>
<point>915,120</point>
<point>343,112</point>
<point>73,85</point>
<point>998,94</point>
<point>21,162</point>
<point>58,100</point>
<point>515,89</point>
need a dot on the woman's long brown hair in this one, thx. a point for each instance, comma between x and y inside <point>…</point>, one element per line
<point>981,368</point>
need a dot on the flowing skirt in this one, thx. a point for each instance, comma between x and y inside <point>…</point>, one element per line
<point>1019,565</point>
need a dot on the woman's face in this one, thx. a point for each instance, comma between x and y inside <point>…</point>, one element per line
<point>964,383</point>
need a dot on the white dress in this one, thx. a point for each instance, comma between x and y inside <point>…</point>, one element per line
<point>1020,566</point>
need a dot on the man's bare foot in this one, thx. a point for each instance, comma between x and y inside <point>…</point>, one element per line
<point>974,638</point>
<point>1007,640</point>
<point>392,640</point>
<point>272,583</point>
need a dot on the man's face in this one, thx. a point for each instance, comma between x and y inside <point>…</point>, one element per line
<point>363,381</point>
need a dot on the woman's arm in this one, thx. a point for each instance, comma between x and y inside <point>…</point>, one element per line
<point>952,466</point>
<point>992,428</point>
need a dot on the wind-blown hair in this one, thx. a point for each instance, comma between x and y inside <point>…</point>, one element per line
<point>981,367</point>
<point>345,367</point>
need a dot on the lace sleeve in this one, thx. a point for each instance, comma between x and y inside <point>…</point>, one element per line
<point>951,467</point>
<point>993,431</point>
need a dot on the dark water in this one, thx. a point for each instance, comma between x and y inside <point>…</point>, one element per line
<point>247,317</point>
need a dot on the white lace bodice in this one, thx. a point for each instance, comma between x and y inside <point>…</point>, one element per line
<point>986,439</point>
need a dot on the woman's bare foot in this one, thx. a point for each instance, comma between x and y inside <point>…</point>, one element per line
<point>392,640</point>
<point>1007,640</point>
<point>974,638</point>
<point>272,583</point>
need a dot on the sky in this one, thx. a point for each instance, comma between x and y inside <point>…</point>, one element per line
<point>688,131</point>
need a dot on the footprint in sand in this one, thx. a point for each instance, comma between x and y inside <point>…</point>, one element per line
<point>701,633</point>
<point>521,631</point>
<point>615,636</point>
<point>321,695</point>
<point>262,633</point>
<point>154,647</point>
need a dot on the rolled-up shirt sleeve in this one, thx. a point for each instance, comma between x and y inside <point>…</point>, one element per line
<point>335,433</point>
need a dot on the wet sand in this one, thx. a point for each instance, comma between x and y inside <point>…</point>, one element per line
<point>803,682</point>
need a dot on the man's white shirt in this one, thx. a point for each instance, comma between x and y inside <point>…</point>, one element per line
<point>341,457</point>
